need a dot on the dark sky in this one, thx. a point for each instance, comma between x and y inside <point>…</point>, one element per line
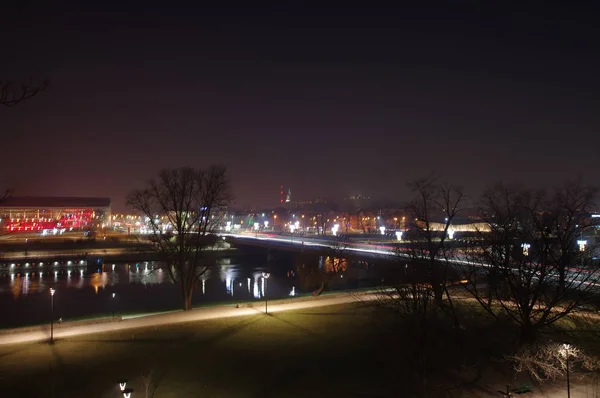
<point>330,101</point>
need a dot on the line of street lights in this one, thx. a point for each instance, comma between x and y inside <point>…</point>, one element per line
<point>52,292</point>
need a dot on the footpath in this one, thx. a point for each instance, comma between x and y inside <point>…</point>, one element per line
<point>64,330</point>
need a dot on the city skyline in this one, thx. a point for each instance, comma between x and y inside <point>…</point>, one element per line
<point>328,101</point>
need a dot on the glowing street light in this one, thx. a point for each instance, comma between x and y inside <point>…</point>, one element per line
<point>382,230</point>
<point>266,224</point>
<point>566,350</point>
<point>582,244</point>
<point>265,276</point>
<point>399,235</point>
<point>451,233</point>
<point>334,229</point>
<point>113,303</point>
<point>122,385</point>
<point>526,247</point>
<point>127,392</point>
<point>52,291</point>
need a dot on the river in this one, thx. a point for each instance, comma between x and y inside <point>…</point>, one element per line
<point>125,288</point>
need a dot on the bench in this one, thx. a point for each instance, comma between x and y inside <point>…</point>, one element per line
<point>523,388</point>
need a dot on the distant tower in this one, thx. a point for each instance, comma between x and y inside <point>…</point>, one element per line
<point>288,198</point>
<point>281,195</point>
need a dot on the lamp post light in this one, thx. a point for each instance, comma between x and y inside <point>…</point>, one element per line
<point>122,385</point>
<point>127,392</point>
<point>52,291</point>
<point>256,227</point>
<point>265,276</point>
<point>113,304</point>
<point>526,247</point>
<point>335,229</point>
<point>565,350</point>
<point>399,235</point>
<point>582,244</point>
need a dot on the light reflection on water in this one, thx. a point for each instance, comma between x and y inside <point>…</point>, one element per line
<point>236,279</point>
<point>23,283</point>
<point>143,286</point>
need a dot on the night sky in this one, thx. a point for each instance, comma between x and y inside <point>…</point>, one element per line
<point>330,101</point>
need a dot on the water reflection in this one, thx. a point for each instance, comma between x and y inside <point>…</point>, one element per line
<point>233,277</point>
<point>145,286</point>
<point>255,291</point>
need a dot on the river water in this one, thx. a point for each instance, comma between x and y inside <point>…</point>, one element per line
<point>143,287</point>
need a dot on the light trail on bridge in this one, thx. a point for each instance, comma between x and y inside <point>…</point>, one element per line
<point>573,275</point>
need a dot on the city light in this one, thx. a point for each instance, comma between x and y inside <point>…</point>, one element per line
<point>525,247</point>
<point>451,233</point>
<point>399,235</point>
<point>382,230</point>
<point>334,229</point>
<point>566,350</point>
<point>582,244</point>
<point>52,291</point>
<point>265,276</point>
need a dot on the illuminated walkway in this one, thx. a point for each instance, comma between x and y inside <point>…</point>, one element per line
<point>35,334</point>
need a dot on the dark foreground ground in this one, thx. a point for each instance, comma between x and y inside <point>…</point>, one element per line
<point>338,351</point>
<point>331,351</point>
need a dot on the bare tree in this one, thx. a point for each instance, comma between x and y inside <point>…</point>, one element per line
<point>7,193</point>
<point>12,94</point>
<point>564,222</point>
<point>187,199</point>
<point>334,262</point>
<point>433,201</point>
<point>413,307</point>
<point>528,266</point>
<point>549,361</point>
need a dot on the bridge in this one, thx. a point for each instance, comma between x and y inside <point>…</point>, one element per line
<point>307,243</point>
<point>576,276</point>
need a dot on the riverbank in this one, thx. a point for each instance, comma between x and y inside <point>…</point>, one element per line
<point>141,320</point>
<point>330,350</point>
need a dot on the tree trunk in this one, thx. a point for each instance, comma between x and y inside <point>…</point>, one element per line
<point>436,283</point>
<point>528,333</point>
<point>321,289</point>
<point>491,286</point>
<point>561,280</point>
<point>187,299</point>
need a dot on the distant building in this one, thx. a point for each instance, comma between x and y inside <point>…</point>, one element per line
<point>36,213</point>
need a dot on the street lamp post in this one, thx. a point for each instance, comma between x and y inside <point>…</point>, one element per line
<point>52,291</point>
<point>266,276</point>
<point>566,352</point>
<point>113,302</point>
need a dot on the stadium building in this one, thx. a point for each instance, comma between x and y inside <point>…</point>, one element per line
<point>52,214</point>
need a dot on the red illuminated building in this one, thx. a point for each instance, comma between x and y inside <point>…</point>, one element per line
<point>38,214</point>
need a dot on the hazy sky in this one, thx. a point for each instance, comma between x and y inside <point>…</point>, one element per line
<point>330,101</point>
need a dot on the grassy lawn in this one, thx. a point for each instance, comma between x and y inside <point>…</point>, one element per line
<point>328,351</point>
<point>338,351</point>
